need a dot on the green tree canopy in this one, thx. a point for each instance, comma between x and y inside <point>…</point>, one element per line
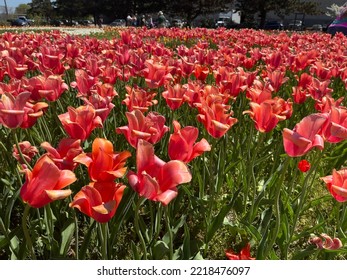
<point>249,8</point>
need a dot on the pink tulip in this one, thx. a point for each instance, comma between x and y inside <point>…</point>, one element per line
<point>337,184</point>
<point>155,179</point>
<point>305,136</point>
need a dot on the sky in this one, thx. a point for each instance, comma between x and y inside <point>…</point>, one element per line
<point>14,3</point>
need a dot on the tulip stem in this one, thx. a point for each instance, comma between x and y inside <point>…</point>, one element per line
<point>26,231</point>
<point>302,197</point>
<point>20,152</point>
<point>103,237</point>
<point>169,230</point>
<point>137,227</point>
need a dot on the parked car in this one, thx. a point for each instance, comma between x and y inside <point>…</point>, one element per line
<point>118,22</point>
<point>29,21</point>
<point>85,22</point>
<point>222,22</point>
<point>296,25</point>
<point>273,25</point>
<point>19,22</point>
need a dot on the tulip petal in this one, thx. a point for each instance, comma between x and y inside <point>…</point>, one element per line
<point>58,194</point>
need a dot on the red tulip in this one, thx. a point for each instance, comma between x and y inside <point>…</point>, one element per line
<point>12,110</point>
<point>277,79</point>
<point>337,184</point>
<point>138,99</point>
<point>99,200</point>
<point>80,122</point>
<point>28,151</point>
<point>32,113</point>
<point>50,58</point>
<point>304,165</point>
<point>102,105</point>
<point>201,72</point>
<point>156,179</point>
<point>150,128</point>
<point>244,254</point>
<point>263,116</point>
<point>156,74</point>
<point>45,183</point>
<point>335,129</point>
<point>305,136</point>
<point>214,116</point>
<point>182,144</point>
<point>174,96</point>
<point>53,88</point>
<point>64,154</point>
<point>15,70</point>
<point>103,163</point>
<point>84,82</point>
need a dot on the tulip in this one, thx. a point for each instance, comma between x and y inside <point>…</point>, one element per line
<point>45,183</point>
<point>215,118</point>
<point>28,151</point>
<point>337,184</point>
<point>182,144</point>
<point>174,96</point>
<point>326,242</point>
<point>80,122</point>
<point>64,154</point>
<point>12,109</point>
<point>244,254</point>
<point>103,163</point>
<point>99,200</point>
<point>138,99</point>
<point>304,165</point>
<point>305,136</point>
<point>155,179</point>
<point>150,128</point>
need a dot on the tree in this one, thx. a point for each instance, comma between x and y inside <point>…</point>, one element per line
<point>22,9</point>
<point>192,9</point>
<point>41,8</point>
<point>249,8</point>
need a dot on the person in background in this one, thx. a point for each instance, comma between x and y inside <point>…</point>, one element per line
<point>161,20</point>
<point>129,20</point>
<point>340,23</point>
<point>149,21</point>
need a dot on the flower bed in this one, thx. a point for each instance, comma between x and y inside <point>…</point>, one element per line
<point>173,144</point>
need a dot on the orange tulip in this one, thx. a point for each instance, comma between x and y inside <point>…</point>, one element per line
<point>99,200</point>
<point>103,163</point>
<point>45,183</point>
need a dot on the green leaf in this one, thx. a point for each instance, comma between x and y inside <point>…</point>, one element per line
<point>178,224</point>
<point>66,237</point>
<point>186,243</point>
<point>134,250</point>
<point>218,221</point>
<point>198,256</point>
<point>160,249</point>
<point>86,241</point>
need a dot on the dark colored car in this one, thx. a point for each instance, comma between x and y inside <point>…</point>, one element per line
<point>273,25</point>
<point>19,22</point>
